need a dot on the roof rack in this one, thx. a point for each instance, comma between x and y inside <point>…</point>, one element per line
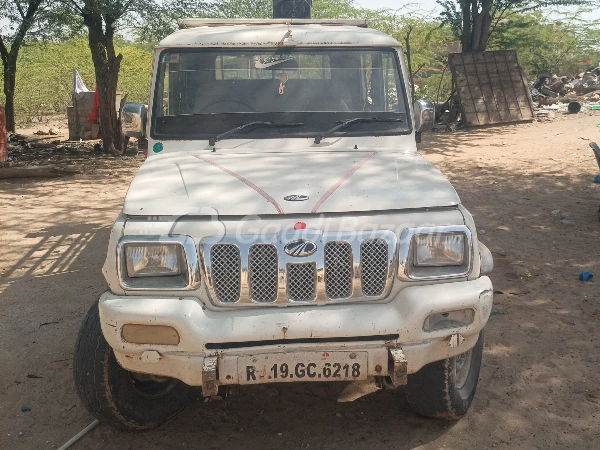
<point>194,23</point>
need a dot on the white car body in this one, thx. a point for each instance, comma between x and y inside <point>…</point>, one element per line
<point>357,187</point>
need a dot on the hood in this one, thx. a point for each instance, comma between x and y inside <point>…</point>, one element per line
<point>240,184</point>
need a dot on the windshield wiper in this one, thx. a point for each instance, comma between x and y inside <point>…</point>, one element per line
<point>347,123</point>
<point>213,140</point>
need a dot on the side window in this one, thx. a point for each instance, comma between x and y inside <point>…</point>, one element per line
<point>381,81</point>
<point>182,73</point>
<point>169,86</point>
<point>165,98</point>
<point>390,82</point>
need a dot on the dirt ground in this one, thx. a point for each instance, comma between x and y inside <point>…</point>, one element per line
<point>540,382</point>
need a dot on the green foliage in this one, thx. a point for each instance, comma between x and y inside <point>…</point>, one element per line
<point>484,16</point>
<point>160,21</point>
<point>436,87</point>
<point>337,9</point>
<point>429,45</point>
<point>45,81</point>
<point>563,46</point>
<point>241,9</point>
<point>263,9</point>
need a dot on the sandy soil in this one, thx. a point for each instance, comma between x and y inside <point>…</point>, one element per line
<point>540,381</point>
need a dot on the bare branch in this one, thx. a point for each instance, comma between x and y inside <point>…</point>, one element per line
<point>21,12</point>
<point>418,70</point>
<point>76,6</point>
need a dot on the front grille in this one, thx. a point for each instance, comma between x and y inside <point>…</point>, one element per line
<point>301,282</point>
<point>345,267</point>
<point>374,266</point>
<point>263,267</point>
<point>226,272</point>
<point>338,270</point>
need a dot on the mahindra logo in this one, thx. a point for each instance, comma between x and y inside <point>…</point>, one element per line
<point>296,198</point>
<point>301,248</point>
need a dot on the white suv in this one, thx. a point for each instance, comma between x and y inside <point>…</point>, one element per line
<point>284,229</point>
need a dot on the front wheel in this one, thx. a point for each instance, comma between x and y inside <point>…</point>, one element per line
<point>445,389</point>
<point>126,400</point>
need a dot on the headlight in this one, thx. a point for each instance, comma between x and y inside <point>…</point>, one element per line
<point>438,250</point>
<point>153,260</point>
<point>435,253</point>
<point>158,263</point>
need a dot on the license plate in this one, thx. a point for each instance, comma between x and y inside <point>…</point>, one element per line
<point>302,366</point>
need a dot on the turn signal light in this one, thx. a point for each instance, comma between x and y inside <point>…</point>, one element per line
<point>150,334</point>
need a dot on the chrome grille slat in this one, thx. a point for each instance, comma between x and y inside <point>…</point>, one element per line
<point>226,272</point>
<point>374,266</point>
<point>338,270</point>
<point>301,282</point>
<point>263,276</point>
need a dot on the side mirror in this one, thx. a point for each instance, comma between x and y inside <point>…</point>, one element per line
<point>133,120</point>
<point>424,117</point>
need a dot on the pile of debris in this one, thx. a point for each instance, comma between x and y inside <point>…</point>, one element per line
<point>45,154</point>
<point>551,89</point>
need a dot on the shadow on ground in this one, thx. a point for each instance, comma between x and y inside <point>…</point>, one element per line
<point>539,382</point>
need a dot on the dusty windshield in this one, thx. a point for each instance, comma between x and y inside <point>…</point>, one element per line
<point>200,93</point>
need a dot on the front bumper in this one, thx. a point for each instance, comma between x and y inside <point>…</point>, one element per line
<point>376,329</point>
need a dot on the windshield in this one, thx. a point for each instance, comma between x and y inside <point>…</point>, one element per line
<point>205,92</point>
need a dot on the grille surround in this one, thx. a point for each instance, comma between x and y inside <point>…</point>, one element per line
<point>263,277</point>
<point>226,265</point>
<point>339,270</point>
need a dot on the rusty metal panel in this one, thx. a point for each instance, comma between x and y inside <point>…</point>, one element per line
<point>491,87</point>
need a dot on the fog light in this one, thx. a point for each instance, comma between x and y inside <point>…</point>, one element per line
<point>150,334</point>
<point>451,319</point>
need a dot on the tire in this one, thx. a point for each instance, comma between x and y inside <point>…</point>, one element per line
<point>445,389</point>
<point>127,401</point>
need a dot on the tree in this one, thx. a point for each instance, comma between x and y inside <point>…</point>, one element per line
<point>22,18</point>
<point>425,45</point>
<point>102,19</point>
<point>321,9</point>
<point>242,9</point>
<point>473,21</point>
<point>160,21</point>
<point>562,44</point>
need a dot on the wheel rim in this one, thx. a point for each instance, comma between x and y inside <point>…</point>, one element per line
<point>463,368</point>
<point>149,386</point>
